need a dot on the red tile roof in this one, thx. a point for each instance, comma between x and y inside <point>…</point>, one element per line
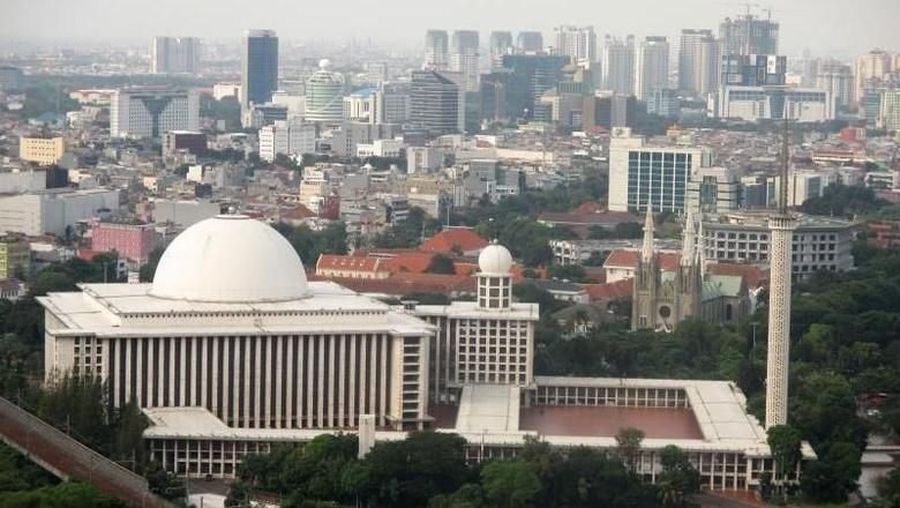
<point>414,262</point>
<point>453,239</point>
<point>354,263</point>
<point>626,258</point>
<point>610,291</point>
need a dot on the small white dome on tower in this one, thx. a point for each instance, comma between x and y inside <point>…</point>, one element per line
<point>324,63</point>
<point>495,259</point>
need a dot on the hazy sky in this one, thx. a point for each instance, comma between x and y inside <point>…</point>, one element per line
<point>824,26</point>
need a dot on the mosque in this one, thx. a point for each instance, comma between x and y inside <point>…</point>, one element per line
<point>230,349</point>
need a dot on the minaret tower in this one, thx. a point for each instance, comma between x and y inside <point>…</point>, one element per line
<point>494,279</point>
<point>781,226</point>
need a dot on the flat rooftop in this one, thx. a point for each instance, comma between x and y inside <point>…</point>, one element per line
<point>607,421</point>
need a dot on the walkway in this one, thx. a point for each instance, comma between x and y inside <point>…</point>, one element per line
<point>67,458</point>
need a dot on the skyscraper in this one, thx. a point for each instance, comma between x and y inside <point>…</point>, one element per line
<point>652,67</point>
<point>150,112</point>
<point>618,65</point>
<point>325,95</point>
<point>259,64</point>
<point>531,76</point>
<point>871,70</point>
<point>501,44</point>
<point>529,42</point>
<point>748,35</point>
<point>464,57</point>
<point>836,78</point>
<point>436,50</point>
<point>699,58</point>
<point>175,54</point>
<point>579,44</point>
<point>434,103</point>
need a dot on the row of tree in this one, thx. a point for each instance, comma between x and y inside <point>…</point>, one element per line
<point>430,469</point>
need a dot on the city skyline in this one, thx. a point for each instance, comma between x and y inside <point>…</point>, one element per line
<point>46,22</point>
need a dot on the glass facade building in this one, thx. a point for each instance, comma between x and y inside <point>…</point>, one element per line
<point>658,178</point>
<point>259,76</point>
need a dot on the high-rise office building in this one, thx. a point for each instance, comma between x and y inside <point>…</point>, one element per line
<point>530,76</point>
<point>434,103</point>
<point>651,67</point>
<point>175,55</point>
<point>579,44</point>
<point>872,69</point>
<point>436,50</point>
<point>393,106</point>
<point>699,60</point>
<point>149,112</point>
<point>464,57</point>
<point>753,70</point>
<point>642,175</point>
<point>748,35</point>
<point>259,65</point>
<point>836,78</point>
<point>501,44</point>
<point>889,110</point>
<point>618,65</point>
<point>325,96</point>
<point>529,42</point>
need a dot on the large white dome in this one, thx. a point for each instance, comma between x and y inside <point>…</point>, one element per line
<point>495,259</point>
<point>230,259</point>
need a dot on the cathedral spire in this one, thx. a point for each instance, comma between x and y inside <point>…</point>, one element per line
<point>647,249</point>
<point>688,239</point>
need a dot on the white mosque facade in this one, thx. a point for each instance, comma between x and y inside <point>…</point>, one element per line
<point>230,350</point>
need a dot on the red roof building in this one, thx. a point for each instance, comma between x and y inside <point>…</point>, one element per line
<point>621,263</point>
<point>455,241</point>
<point>352,267</point>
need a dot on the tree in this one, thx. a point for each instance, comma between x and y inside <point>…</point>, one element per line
<point>784,441</point>
<point>149,268</point>
<point>410,472</point>
<point>64,495</point>
<point>628,230</point>
<point>441,263</point>
<point>510,483</point>
<point>574,273</point>
<point>628,445</point>
<point>889,488</point>
<point>678,479</point>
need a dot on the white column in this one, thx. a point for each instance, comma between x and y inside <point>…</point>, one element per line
<point>373,372</point>
<point>320,400</point>
<point>117,379</point>
<point>385,344</point>
<point>301,370</point>
<point>279,377</point>
<point>216,385</point>
<point>182,388</point>
<point>173,343</point>
<point>289,382</point>
<point>331,378</point>
<point>310,373</point>
<point>245,382</point>
<point>258,380</point>
<point>341,375</point>
<point>204,370</point>
<point>138,371</point>
<point>363,379</point>
<point>351,409</point>
<point>128,370</point>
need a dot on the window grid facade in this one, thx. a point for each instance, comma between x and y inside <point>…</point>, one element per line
<point>658,179</point>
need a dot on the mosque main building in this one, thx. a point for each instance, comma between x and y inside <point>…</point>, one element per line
<point>230,349</point>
